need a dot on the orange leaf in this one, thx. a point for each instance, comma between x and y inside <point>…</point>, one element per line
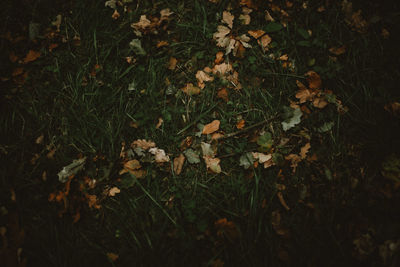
<point>172,63</point>
<point>264,41</point>
<point>223,94</point>
<point>211,127</point>
<point>160,122</point>
<point>313,79</point>
<point>178,164</point>
<point>190,89</point>
<point>319,102</point>
<point>112,256</point>
<point>31,56</point>
<point>338,50</point>
<point>162,43</point>
<point>115,15</point>
<point>256,34</point>
<point>219,57</point>
<point>240,124</point>
<point>304,150</point>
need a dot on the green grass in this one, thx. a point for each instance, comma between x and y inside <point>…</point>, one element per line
<point>166,219</point>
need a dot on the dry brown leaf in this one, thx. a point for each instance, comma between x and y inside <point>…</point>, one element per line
<point>304,95</point>
<point>172,63</point>
<point>138,173</point>
<point>320,102</point>
<point>338,50</point>
<point>304,150</point>
<point>313,79</point>
<point>165,13</point>
<point>256,34</point>
<point>92,201</point>
<point>268,16</point>
<point>245,19</point>
<point>115,15</point>
<point>112,256</point>
<point>240,124</point>
<point>223,94</point>
<point>13,58</point>
<point>190,89</point>
<point>113,191</point>
<point>39,140</point>
<point>178,164</point>
<point>284,57</point>
<point>161,44</point>
<point>222,69</point>
<point>159,123</point>
<point>221,36</point>
<point>141,25</point>
<point>216,136</point>
<point>202,77</point>
<point>282,200</point>
<point>31,56</point>
<point>142,143</point>
<point>262,158</point>
<point>17,71</point>
<point>211,127</point>
<point>160,155</point>
<point>393,108</point>
<point>294,159</point>
<point>212,164</point>
<point>219,57</point>
<point>227,18</point>
<point>265,41</point>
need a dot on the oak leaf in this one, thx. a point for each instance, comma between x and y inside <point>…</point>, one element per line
<point>142,143</point>
<point>338,50</point>
<point>227,18</point>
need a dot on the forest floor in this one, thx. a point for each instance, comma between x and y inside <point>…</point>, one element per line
<point>200,133</point>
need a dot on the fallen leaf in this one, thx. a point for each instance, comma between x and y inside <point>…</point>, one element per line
<point>165,13</point>
<point>304,95</point>
<point>202,77</point>
<point>246,160</point>
<point>172,63</point>
<point>161,44</point>
<point>136,46</point>
<point>304,150</point>
<point>338,50</point>
<point>192,156</point>
<point>256,34</point>
<point>245,19</point>
<point>216,136</point>
<point>160,155</point>
<point>92,201</point>
<point>160,122</point>
<point>211,127</point>
<point>212,164</point>
<point>240,124</point>
<point>113,191</point>
<point>284,57</point>
<point>292,121</point>
<point>141,25</point>
<point>207,150</point>
<point>115,15</point>
<point>294,159</point>
<point>268,16</point>
<point>265,41</point>
<point>221,36</point>
<point>219,57</point>
<point>178,164</point>
<point>223,94</point>
<point>313,79</point>
<point>39,140</point>
<point>17,71</point>
<point>132,165</point>
<point>222,69</point>
<point>112,256</point>
<point>31,56</point>
<point>142,143</point>
<point>57,22</point>
<point>282,200</point>
<point>190,89</point>
<point>227,18</point>
<point>52,47</point>
<point>13,58</point>
<point>319,102</point>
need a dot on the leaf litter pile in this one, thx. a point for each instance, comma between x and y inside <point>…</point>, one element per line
<point>210,133</point>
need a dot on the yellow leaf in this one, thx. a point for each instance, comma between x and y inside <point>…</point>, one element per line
<point>211,127</point>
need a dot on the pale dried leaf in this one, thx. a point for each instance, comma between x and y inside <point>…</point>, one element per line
<point>221,36</point>
<point>178,164</point>
<point>113,191</point>
<point>207,150</point>
<point>190,89</point>
<point>227,18</point>
<point>212,164</point>
<point>256,34</point>
<point>142,143</point>
<point>160,155</point>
